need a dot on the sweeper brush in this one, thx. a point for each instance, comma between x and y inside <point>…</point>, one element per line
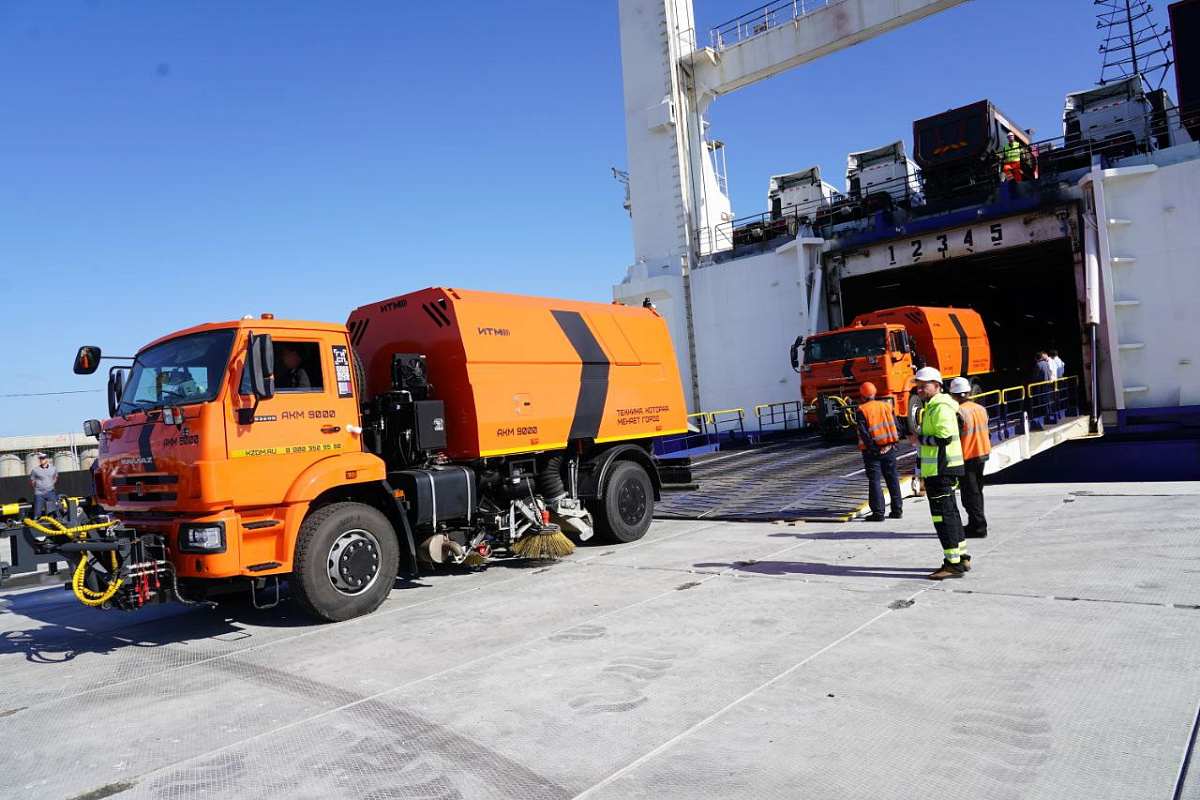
<point>545,543</point>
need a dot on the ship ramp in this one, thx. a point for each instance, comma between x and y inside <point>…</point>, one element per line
<point>739,474</point>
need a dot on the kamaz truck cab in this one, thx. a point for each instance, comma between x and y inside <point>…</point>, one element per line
<point>885,347</point>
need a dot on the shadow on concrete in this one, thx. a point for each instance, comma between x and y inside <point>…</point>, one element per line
<point>62,628</point>
<point>853,535</point>
<point>783,568</point>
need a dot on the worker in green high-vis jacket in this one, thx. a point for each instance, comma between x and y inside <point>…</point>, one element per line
<point>1011,159</point>
<point>940,466</point>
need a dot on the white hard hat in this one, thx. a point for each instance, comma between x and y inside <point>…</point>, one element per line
<point>960,386</point>
<point>928,374</point>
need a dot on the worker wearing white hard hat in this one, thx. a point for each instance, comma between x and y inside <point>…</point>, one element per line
<point>928,374</point>
<point>976,438</point>
<point>940,466</point>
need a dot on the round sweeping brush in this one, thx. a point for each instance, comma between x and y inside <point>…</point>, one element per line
<point>544,543</point>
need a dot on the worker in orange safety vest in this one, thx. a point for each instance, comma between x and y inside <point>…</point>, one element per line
<point>878,436</point>
<point>976,445</point>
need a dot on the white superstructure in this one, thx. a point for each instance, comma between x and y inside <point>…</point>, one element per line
<point>1144,231</point>
<point>681,213</point>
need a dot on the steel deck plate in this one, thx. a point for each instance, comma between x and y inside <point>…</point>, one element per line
<point>801,478</point>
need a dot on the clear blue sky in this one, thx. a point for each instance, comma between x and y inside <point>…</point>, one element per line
<point>169,163</point>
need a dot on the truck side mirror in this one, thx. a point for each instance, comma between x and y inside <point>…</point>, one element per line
<point>260,366</point>
<point>91,428</point>
<point>795,354</point>
<point>116,387</point>
<point>87,360</point>
<point>258,374</point>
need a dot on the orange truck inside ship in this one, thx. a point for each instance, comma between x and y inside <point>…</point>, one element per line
<point>442,425</point>
<point>886,347</point>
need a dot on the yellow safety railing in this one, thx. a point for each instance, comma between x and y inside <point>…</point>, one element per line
<point>736,421</point>
<point>1006,407</point>
<point>1004,398</point>
<point>1055,383</point>
<point>978,398</point>
<point>783,413</point>
<point>1052,397</point>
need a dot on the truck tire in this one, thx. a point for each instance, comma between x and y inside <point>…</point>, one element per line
<point>914,408</point>
<point>346,560</point>
<point>623,512</point>
<point>830,432</point>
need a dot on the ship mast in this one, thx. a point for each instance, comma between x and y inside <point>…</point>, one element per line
<point>1133,44</point>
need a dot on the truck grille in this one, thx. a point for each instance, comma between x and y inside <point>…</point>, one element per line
<point>145,488</point>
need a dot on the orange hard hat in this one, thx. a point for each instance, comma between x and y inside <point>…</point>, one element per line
<point>867,389</point>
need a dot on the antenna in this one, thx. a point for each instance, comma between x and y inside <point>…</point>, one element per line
<point>1133,45</point>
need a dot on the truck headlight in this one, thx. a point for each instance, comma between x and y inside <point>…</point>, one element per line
<point>202,537</point>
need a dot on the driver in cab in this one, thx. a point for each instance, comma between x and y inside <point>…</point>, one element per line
<point>292,376</point>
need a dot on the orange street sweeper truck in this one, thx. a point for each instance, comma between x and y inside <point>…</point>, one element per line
<point>444,425</point>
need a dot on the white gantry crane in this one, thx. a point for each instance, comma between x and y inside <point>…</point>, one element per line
<point>678,199</point>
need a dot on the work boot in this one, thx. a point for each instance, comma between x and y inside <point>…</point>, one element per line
<point>874,518</point>
<point>896,514</point>
<point>965,562</point>
<point>976,535</point>
<point>948,570</point>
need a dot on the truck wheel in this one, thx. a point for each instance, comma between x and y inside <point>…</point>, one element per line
<point>623,514</point>
<point>914,412</point>
<point>346,560</point>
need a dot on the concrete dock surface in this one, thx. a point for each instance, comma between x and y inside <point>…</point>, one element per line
<point>708,660</point>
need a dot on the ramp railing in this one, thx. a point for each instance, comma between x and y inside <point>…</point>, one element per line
<point>711,429</point>
<point>1050,401</point>
<point>730,421</point>
<point>778,417</point>
<point>1012,412</point>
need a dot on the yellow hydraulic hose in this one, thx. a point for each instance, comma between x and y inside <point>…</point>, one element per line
<point>86,595</point>
<point>52,527</point>
<point>56,528</point>
<point>846,414</point>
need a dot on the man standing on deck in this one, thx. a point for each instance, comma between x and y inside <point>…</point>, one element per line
<point>940,466</point>
<point>1043,367</point>
<point>1060,368</point>
<point>976,445</point>
<point>1011,162</point>
<point>877,439</point>
<point>43,478</point>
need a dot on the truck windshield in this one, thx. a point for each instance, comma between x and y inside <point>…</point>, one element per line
<point>178,372</point>
<point>849,344</point>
